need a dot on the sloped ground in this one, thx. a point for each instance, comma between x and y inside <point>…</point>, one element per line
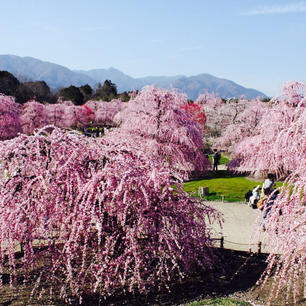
<point>235,272</point>
<point>240,228</point>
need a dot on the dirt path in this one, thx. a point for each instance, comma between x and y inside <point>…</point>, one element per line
<point>239,226</point>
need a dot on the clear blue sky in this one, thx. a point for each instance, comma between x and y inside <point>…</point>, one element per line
<point>258,44</point>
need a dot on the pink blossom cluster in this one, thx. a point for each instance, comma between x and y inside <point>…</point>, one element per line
<point>220,113</point>
<point>157,121</point>
<point>34,115</point>
<point>209,100</point>
<point>105,112</point>
<point>155,117</point>
<point>96,216</point>
<point>244,124</point>
<point>292,93</point>
<point>276,143</point>
<point>285,233</point>
<point>10,124</point>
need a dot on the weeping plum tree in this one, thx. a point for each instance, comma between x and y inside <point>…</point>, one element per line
<point>267,149</point>
<point>285,226</point>
<point>33,116</point>
<point>10,124</point>
<point>156,122</point>
<point>65,114</point>
<point>286,223</point>
<point>96,217</point>
<point>286,234</point>
<point>245,125</point>
<point>220,113</point>
<point>104,112</point>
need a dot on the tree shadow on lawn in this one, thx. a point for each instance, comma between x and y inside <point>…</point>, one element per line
<point>219,174</point>
<point>234,271</point>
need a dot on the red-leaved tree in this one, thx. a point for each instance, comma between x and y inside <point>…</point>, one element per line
<point>196,113</point>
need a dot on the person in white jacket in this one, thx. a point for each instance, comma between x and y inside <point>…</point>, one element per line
<point>268,185</point>
<point>254,198</point>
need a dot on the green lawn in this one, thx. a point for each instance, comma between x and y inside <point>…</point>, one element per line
<point>223,160</point>
<point>219,302</point>
<point>233,188</point>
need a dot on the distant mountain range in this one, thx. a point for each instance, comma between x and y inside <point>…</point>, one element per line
<point>56,76</point>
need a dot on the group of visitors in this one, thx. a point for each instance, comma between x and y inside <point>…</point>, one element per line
<point>265,199</point>
<point>255,198</point>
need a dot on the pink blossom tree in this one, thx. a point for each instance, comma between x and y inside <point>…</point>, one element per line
<point>285,232</point>
<point>10,124</point>
<point>96,217</point>
<point>156,121</point>
<point>211,104</point>
<point>292,93</point>
<point>64,114</point>
<point>220,113</point>
<point>267,149</point>
<point>245,124</point>
<point>33,116</point>
<point>68,115</point>
<point>209,100</point>
<point>277,144</point>
<point>104,112</point>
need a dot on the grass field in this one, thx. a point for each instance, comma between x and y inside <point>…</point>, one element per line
<point>223,160</point>
<point>219,302</point>
<point>232,188</point>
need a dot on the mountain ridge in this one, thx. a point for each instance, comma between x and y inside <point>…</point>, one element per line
<point>58,76</point>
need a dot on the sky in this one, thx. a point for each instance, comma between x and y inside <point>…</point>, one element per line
<point>258,44</point>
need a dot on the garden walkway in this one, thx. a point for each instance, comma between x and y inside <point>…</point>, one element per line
<point>239,226</point>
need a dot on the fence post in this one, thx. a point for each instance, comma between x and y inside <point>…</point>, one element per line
<point>222,242</point>
<point>259,248</point>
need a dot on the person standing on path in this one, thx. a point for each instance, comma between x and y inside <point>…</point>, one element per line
<point>216,159</point>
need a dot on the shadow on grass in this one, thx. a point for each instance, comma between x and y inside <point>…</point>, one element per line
<point>222,186</point>
<point>234,271</point>
<point>220,174</point>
